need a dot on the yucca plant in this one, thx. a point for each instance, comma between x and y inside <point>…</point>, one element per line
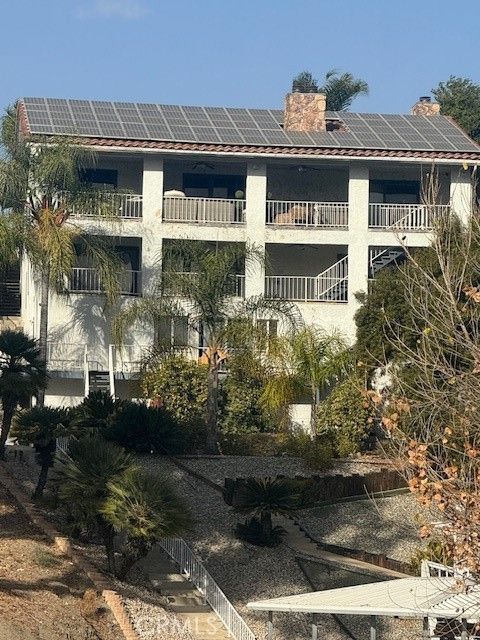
<point>263,498</point>
<point>144,508</point>
<point>40,186</point>
<point>41,426</point>
<point>84,485</point>
<point>22,375</point>
<point>205,295</point>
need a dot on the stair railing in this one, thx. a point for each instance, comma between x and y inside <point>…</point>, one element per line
<point>332,278</point>
<point>194,570</point>
<point>86,373</point>
<point>111,368</point>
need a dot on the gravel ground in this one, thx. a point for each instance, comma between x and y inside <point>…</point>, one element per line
<point>217,469</point>
<point>387,525</point>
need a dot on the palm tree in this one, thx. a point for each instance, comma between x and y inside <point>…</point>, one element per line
<point>144,508</point>
<point>95,414</point>
<point>41,426</point>
<point>263,498</point>
<point>22,375</point>
<point>83,484</point>
<point>40,186</point>
<point>205,294</point>
<point>302,362</point>
<point>340,89</point>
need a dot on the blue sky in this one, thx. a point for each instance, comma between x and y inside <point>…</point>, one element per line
<point>232,52</point>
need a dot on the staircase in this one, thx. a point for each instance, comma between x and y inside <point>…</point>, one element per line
<point>182,597</point>
<point>97,374</point>
<point>384,257</point>
<point>98,381</point>
<point>332,284</point>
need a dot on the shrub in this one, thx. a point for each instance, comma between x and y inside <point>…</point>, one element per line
<point>252,531</point>
<point>435,550</point>
<point>179,386</point>
<point>251,444</point>
<point>95,413</point>
<point>317,452</point>
<point>344,418</point>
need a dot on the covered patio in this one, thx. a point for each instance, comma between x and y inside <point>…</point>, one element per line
<point>448,606</point>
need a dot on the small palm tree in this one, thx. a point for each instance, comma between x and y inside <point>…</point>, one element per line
<point>340,89</point>
<point>303,362</point>
<point>22,375</point>
<point>205,295</point>
<point>83,485</point>
<point>263,498</point>
<point>94,415</point>
<point>40,186</point>
<point>143,507</point>
<point>41,426</point>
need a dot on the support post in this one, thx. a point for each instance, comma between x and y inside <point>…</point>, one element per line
<point>256,194</point>
<point>314,627</point>
<point>373,627</point>
<point>270,626</point>
<point>358,234</point>
<point>464,635</point>
<point>426,629</point>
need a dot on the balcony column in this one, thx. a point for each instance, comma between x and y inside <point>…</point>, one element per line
<point>152,192</point>
<point>256,197</point>
<point>461,193</point>
<point>358,197</point>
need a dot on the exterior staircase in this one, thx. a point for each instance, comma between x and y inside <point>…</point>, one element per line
<point>98,381</point>
<point>182,597</point>
<point>384,257</point>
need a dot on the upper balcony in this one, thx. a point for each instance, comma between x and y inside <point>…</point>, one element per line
<point>180,208</point>
<point>404,217</point>
<point>110,204</point>
<point>294,213</point>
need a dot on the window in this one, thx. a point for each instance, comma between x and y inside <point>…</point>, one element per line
<point>107,177</point>
<point>395,191</point>
<point>172,331</point>
<point>212,186</point>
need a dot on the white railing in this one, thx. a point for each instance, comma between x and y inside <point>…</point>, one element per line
<point>203,210</point>
<point>330,285</point>
<point>307,214</point>
<point>410,217</point>
<point>181,279</point>
<point>194,570</point>
<point>128,358</point>
<point>62,446</point>
<point>88,280</point>
<point>110,204</point>
<point>65,355</point>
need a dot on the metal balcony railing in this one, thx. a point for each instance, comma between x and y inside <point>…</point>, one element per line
<point>307,214</point>
<point>179,285</point>
<point>88,280</point>
<point>203,210</point>
<point>407,217</point>
<point>104,204</point>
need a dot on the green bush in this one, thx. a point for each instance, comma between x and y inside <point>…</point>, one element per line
<point>317,452</point>
<point>434,550</point>
<point>344,419</point>
<point>179,386</point>
<point>252,531</point>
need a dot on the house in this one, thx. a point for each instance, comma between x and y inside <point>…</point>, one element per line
<point>329,197</point>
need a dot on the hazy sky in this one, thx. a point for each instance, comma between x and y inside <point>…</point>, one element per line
<point>232,53</point>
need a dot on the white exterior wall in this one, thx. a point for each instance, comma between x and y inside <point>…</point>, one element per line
<point>83,319</point>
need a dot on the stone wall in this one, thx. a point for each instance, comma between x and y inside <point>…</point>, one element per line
<point>305,112</point>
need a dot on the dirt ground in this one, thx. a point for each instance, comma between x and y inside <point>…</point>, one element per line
<point>42,593</point>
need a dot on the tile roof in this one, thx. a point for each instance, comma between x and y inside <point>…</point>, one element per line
<point>258,130</point>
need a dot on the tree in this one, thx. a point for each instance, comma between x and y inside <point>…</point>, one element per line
<point>303,362</point>
<point>22,375</point>
<point>94,415</point>
<point>83,485</point>
<point>144,508</point>
<point>431,411</point>
<point>40,186</point>
<point>263,498</point>
<point>41,426</point>
<point>208,292</point>
<point>459,98</point>
<point>340,89</point>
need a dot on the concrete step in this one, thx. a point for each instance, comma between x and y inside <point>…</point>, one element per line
<point>173,587</point>
<point>189,608</point>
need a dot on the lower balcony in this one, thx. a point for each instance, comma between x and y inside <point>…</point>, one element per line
<point>405,217</point>
<point>88,280</point>
<point>333,215</point>
<point>203,210</point>
<point>180,283</point>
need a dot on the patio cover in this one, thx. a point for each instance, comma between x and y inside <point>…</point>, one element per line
<point>404,598</point>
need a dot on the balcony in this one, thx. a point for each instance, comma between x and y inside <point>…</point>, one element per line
<point>175,288</point>
<point>203,210</point>
<point>405,217</point>
<point>333,215</point>
<point>331,285</point>
<point>127,206</point>
<point>88,280</point>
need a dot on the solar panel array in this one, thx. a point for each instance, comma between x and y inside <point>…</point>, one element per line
<point>139,121</point>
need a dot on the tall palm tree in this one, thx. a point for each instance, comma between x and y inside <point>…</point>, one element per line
<point>302,362</point>
<point>40,186</point>
<point>41,426</point>
<point>205,295</point>
<point>22,375</point>
<point>340,89</point>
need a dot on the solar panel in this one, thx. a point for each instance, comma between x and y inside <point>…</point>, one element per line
<point>238,126</point>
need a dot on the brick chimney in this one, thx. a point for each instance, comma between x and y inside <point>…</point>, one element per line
<point>304,112</point>
<point>425,107</point>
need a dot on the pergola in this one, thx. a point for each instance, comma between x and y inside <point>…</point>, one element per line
<point>424,598</point>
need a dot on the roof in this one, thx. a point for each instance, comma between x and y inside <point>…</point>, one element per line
<point>155,125</point>
<point>405,598</point>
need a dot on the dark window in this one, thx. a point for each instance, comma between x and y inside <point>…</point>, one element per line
<point>173,331</point>
<point>10,302</point>
<point>395,191</point>
<point>100,176</point>
<point>212,186</point>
